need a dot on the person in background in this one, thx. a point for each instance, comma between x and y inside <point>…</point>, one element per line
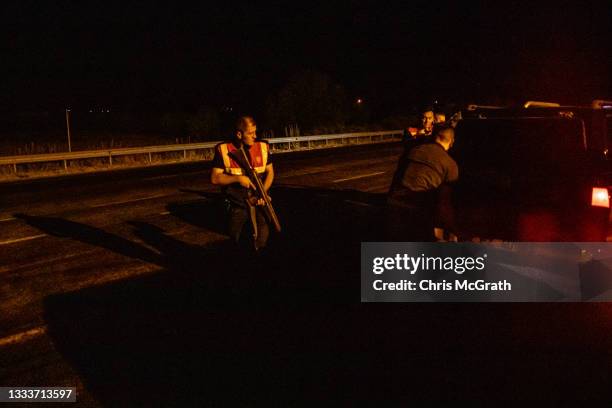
<point>413,137</point>
<point>427,122</point>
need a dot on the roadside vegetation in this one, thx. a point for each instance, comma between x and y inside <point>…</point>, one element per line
<point>310,103</point>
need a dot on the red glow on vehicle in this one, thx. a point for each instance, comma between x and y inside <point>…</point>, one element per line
<point>538,227</point>
<point>600,197</point>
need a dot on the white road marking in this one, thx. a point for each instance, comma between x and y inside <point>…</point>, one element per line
<point>23,336</point>
<point>358,203</point>
<point>358,177</point>
<point>44,261</point>
<point>8,219</point>
<point>328,168</point>
<point>12,241</point>
<point>380,189</point>
<point>131,201</point>
<point>181,174</point>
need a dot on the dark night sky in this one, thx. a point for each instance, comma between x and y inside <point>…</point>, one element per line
<point>176,57</point>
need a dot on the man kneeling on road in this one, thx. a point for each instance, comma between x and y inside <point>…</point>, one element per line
<point>419,203</point>
<point>237,187</point>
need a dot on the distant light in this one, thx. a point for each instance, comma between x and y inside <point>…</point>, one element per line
<point>600,197</point>
<point>90,111</point>
<point>359,100</point>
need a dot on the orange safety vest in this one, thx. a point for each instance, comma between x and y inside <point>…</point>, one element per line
<point>258,157</point>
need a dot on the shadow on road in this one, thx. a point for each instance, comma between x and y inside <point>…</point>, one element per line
<point>62,228</point>
<point>206,212</point>
<point>214,325</point>
<point>218,328</point>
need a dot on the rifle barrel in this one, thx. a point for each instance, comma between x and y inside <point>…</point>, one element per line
<point>262,192</point>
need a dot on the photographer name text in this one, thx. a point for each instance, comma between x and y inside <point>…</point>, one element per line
<point>430,285</point>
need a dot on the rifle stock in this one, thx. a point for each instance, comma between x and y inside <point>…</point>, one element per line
<point>261,193</point>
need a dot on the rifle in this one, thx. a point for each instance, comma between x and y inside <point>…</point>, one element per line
<point>261,193</point>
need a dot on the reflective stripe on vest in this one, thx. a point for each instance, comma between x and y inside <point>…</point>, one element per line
<point>258,153</point>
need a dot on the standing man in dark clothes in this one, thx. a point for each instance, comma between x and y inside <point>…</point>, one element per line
<point>236,186</point>
<point>419,201</point>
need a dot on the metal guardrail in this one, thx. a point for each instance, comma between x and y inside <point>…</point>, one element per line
<point>292,144</point>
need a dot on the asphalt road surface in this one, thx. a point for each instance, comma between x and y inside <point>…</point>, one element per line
<point>124,285</point>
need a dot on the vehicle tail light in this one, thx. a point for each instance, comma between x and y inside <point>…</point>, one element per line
<point>600,197</point>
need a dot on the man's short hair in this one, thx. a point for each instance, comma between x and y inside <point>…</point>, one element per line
<point>243,123</point>
<point>427,108</point>
<point>445,133</point>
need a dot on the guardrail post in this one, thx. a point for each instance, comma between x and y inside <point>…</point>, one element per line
<point>110,158</point>
<point>65,165</point>
<point>15,167</point>
<point>150,161</point>
<point>185,154</point>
